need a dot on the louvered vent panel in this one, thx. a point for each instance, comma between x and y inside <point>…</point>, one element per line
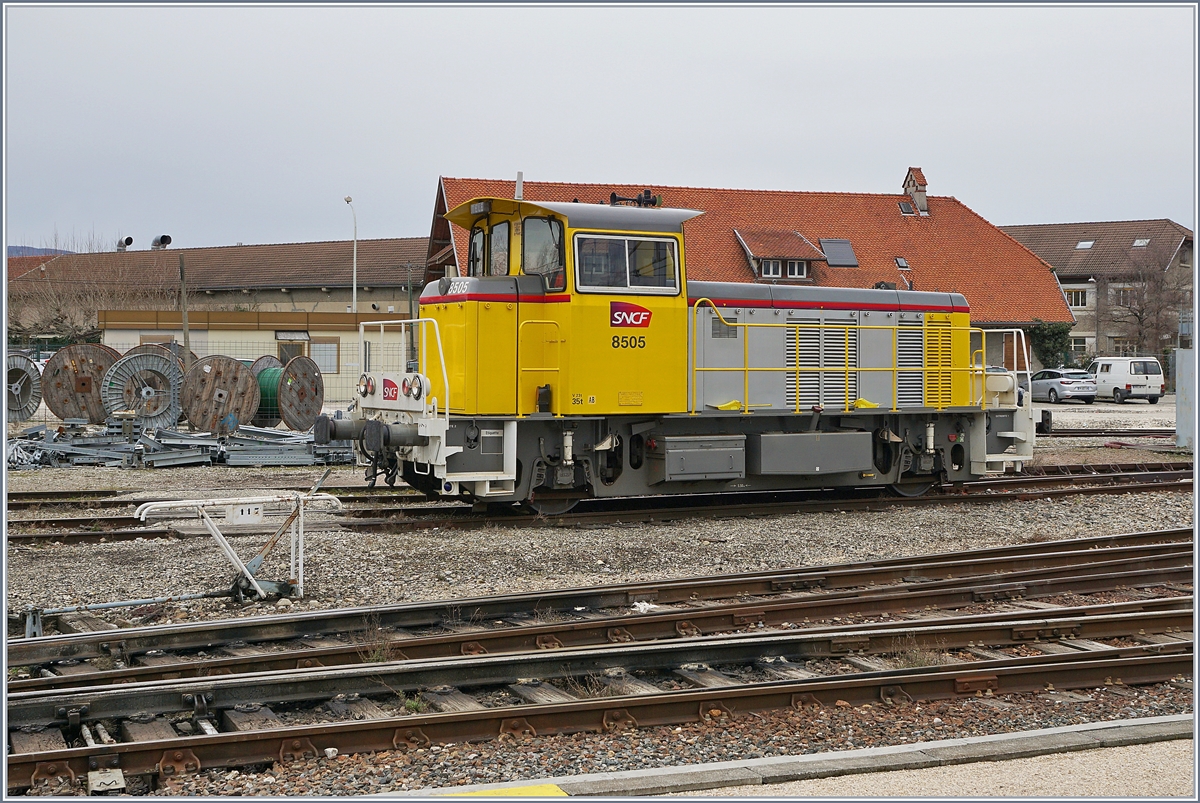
<point>839,350</point>
<point>910,354</point>
<point>937,355</point>
<point>821,348</point>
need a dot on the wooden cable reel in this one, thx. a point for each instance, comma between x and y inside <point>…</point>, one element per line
<point>148,385</point>
<point>24,384</point>
<point>72,378</point>
<point>162,349</point>
<point>301,393</point>
<point>268,387</point>
<point>219,394</point>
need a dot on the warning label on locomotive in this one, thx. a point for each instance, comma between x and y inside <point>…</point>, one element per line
<point>629,398</point>
<point>622,313</point>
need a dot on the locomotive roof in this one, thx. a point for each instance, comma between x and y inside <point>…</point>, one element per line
<point>582,216</point>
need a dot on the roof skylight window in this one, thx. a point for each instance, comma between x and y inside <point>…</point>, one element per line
<point>906,208</point>
<point>902,263</point>
<point>1141,242</point>
<point>1083,245</point>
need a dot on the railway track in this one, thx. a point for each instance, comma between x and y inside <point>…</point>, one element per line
<point>596,616</point>
<point>637,655</point>
<point>174,727</point>
<point>621,600</point>
<point>379,516</point>
<point>1108,433</point>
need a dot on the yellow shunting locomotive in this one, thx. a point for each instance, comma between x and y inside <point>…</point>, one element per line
<point>576,360</point>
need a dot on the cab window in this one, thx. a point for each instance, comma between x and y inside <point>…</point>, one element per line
<point>475,254</point>
<point>498,253</point>
<point>542,251</point>
<point>608,263</point>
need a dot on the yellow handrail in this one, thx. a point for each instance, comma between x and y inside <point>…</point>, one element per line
<point>974,370</point>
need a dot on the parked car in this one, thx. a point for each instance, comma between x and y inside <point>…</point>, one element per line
<point>1122,378</point>
<point>1059,384</point>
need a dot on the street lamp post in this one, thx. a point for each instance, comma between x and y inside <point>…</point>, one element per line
<point>354,278</point>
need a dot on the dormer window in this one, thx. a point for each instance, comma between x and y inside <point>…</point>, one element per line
<point>797,269</point>
<point>906,208</point>
<point>1084,245</point>
<point>772,268</point>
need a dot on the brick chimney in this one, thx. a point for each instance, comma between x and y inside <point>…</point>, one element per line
<point>914,185</point>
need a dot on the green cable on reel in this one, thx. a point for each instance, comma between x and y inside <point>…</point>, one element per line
<point>268,390</point>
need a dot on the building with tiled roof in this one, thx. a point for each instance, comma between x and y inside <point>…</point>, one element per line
<point>287,277</point>
<point>1127,281</point>
<point>905,240</point>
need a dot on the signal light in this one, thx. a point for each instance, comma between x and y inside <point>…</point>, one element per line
<point>405,387</point>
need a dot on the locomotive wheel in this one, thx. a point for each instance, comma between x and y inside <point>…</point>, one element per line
<point>911,490</point>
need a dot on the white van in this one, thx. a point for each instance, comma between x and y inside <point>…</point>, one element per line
<point>1121,378</point>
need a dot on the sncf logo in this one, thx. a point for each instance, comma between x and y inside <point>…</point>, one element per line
<point>622,313</point>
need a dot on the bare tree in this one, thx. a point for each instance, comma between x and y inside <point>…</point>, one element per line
<point>60,298</point>
<point>1145,301</point>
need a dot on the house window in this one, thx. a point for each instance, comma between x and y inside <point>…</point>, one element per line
<point>797,269</point>
<point>1083,245</point>
<point>906,208</point>
<point>1124,296</point>
<point>772,268</point>
<point>326,353</point>
<point>289,349</point>
<point>1141,242</point>
<point>1079,345</point>
<point>1077,298</point>
<point>1124,346</point>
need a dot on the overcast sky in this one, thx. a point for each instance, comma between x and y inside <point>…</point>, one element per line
<point>224,125</point>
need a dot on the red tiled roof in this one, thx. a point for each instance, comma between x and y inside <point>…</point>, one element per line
<point>951,250</point>
<point>17,267</point>
<point>381,263</point>
<point>1112,252</point>
<point>777,244</point>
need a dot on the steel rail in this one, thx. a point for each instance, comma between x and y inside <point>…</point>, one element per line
<point>1127,666</point>
<point>459,516</point>
<point>199,635</point>
<point>321,683</point>
<point>665,625</point>
<point>756,509</point>
<point>1084,432</point>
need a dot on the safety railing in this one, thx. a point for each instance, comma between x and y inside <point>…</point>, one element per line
<point>975,371</point>
<point>407,325</point>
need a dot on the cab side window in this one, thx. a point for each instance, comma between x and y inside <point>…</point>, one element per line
<point>475,253</point>
<point>542,251</point>
<point>606,262</point>
<point>498,253</point>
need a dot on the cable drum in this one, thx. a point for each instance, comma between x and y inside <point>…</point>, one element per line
<point>219,394</point>
<point>301,393</point>
<point>268,399</point>
<point>263,362</point>
<point>146,384</point>
<point>72,378</point>
<point>161,349</point>
<point>24,383</point>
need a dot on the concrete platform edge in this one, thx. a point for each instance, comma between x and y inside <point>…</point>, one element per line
<point>780,769</point>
